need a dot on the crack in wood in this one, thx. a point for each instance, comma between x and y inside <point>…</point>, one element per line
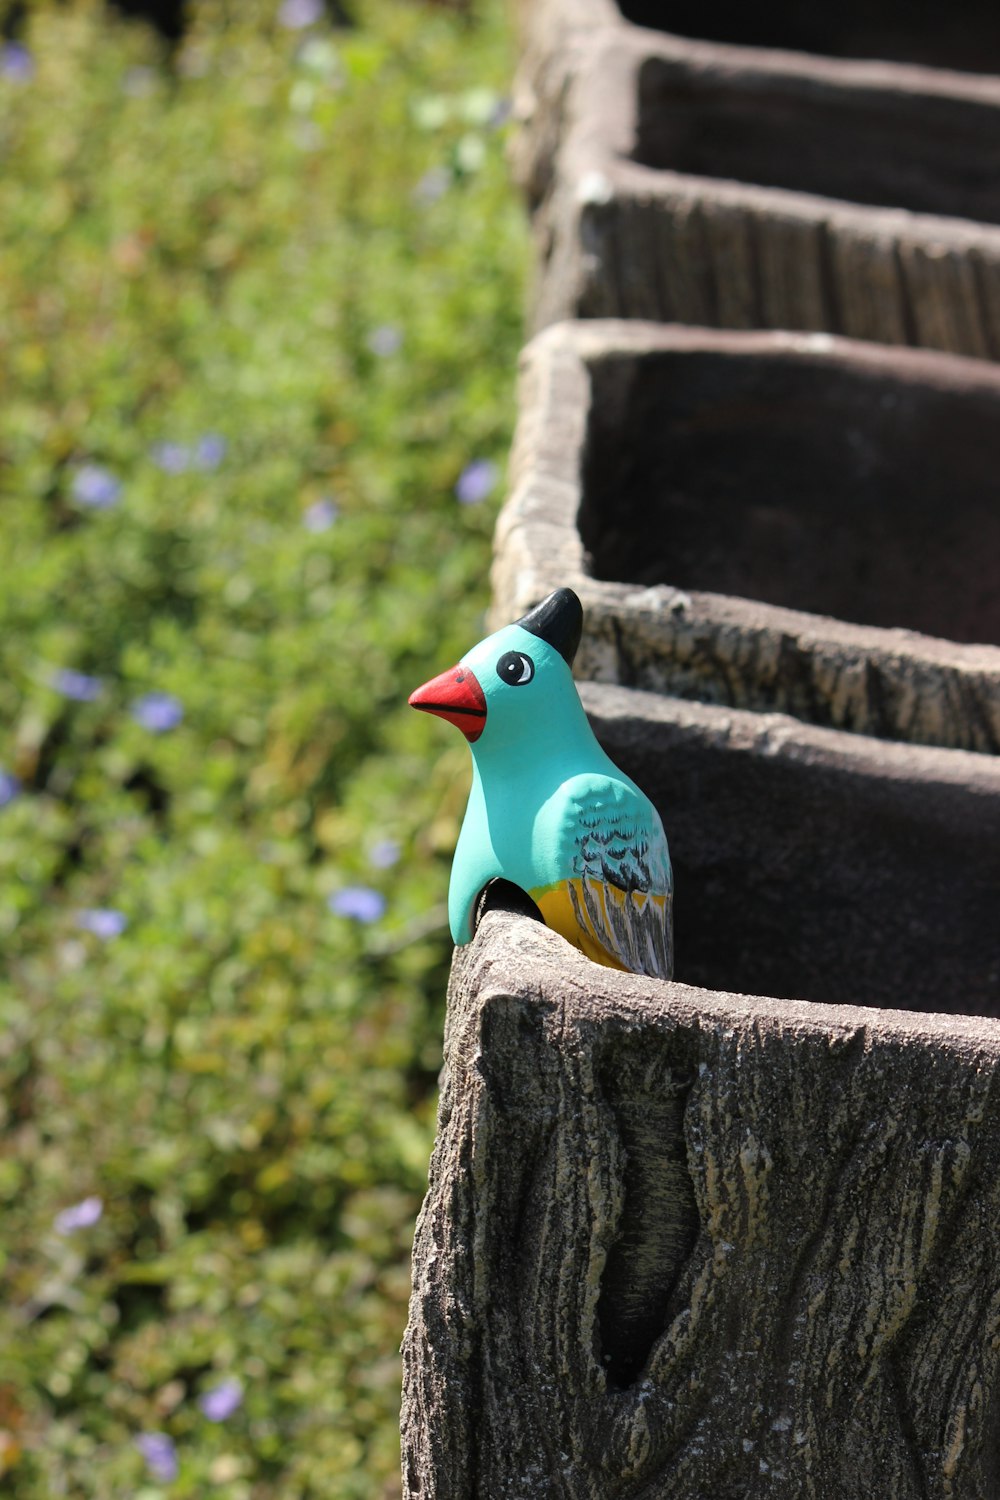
<point>658,1226</point>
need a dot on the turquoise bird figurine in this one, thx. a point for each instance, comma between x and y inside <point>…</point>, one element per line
<point>548,810</point>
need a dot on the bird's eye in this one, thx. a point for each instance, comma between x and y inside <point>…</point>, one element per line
<point>515,668</point>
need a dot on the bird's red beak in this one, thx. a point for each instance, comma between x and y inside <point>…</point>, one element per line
<point>456,696</point>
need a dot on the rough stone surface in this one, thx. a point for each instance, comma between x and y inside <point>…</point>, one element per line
<point>732,187</point>
<point>635,433</point>
<point>685,1244</point>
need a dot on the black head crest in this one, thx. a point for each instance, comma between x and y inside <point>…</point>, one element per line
<point>558,620</point>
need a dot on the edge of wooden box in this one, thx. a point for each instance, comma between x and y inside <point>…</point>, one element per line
<point>893,683</point>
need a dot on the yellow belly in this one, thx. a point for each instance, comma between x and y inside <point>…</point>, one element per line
<point>572,921</point>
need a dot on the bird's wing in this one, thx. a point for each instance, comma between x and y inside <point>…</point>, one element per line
<point>621,887</point>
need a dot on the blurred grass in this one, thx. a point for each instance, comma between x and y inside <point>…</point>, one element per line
<point>261,300</point>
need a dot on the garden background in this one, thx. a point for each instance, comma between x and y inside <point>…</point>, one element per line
<point>260,305</point>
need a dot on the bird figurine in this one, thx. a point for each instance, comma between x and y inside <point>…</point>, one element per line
<point>548,810</point>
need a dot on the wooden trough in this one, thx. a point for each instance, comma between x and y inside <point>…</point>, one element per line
<point>733,1235</point>
<point>818,865</point>
<point>680,1243</point>
<point>733,187</point>
<point>768,521</point>
<point>737,1235</point>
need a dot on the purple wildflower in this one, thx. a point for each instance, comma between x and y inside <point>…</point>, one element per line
<point>210,450</point>
<point>16,62</point>
<point>103,921</point>
<point>359,902</point>
<point>321,515</point>
<point>96,487</point>
<point>476,481</point>
<point>9,787</point>
<point>385,340</point>
<point>160,1454</point>
<point>384,854</point>
<point>500,114</point>
<point>297,14</point>
<point>139,81</point>
<point>77,685</point>
<point>432,186</point>
<point>172,458</point>
<point>157,712</point>
<point>222,1400</point>
<point>81,1215</point>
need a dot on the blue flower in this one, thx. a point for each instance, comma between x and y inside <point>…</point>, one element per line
<point>222,1400</point>
<point>433,185</point>
<point>359,902</point>
<point>160,1454</point>
<point>172,458</point>
<point>103,921</point>
<point>210,450</point>
<point>96,487</point>
<point>177,458</point>
<point>297,14</point>
<point>139,81</point>
<point>77,685</point>
<point>9,787</point>
<point>384,854</point>
<point>385,340</point>
<point>16,62</point>
<point>81,1215</point>
<point>321,515</point>
<point>476,481</point>
<point>157,712</point>
<point>500,114</point>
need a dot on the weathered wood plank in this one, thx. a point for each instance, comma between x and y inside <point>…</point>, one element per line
<point>681,1243</point>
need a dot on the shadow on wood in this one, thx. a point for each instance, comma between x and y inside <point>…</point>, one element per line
<point>729,187</point>
<point>963,35</point>
<point>767,520</point>
<point>815,864</point>
<point>682,1243</point>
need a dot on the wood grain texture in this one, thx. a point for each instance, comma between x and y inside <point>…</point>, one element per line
<point>732,187</point>
<point>854,463</point>
<point>814,864</point>
<point>550,36</point>
<point>681,1243</point>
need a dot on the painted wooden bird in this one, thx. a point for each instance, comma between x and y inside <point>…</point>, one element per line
<point>548,810</point>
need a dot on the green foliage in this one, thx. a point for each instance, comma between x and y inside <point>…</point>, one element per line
<point>261,304</point>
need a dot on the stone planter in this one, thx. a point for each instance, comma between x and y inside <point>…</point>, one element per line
<point>769,521</point>
<point>731,187</point>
